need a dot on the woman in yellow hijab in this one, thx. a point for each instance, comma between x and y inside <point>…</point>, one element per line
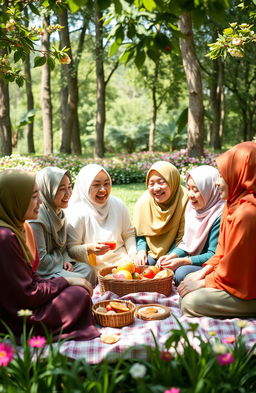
<point>159,213</point>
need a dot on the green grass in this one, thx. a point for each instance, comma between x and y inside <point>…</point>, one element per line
<point>129,193</point>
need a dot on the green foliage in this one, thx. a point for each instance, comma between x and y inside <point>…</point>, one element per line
<point>186,363</point>
<point>17,40</point>
<point>123,169</point>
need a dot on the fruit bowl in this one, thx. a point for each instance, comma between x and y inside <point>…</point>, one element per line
<point>119,319</point>
<point>122,287</point>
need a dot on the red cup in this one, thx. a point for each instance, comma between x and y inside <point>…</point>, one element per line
<point>111,244</point>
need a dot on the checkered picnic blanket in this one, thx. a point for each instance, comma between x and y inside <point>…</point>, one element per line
<point>140,332</point>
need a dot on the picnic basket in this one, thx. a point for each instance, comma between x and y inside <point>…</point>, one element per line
<point>123,287</point>
<point>114,320</point>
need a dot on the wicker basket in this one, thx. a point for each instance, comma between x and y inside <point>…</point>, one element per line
<point>123,287</point>
<point>114,320</point>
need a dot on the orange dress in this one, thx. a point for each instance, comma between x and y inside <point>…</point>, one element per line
<point>235,259</point>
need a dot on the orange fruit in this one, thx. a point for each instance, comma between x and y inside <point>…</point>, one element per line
<point>154,268</point>
<point>126,265</point>
<point>119,307</point>
<point>162,274</point>
<point>123,275</point>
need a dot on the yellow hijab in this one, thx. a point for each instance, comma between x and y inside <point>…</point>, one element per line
<point>16,188</point>
<point>162,224</point>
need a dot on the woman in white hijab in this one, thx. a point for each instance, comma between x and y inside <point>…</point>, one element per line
<point>50,228</point>
<point>202,224</point>
<point>95,219</point>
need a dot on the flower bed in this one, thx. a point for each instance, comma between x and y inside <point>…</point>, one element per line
<point>123,169</point>
<point>215,366</point>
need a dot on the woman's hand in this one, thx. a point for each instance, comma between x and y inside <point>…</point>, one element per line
<point>81,282</point>
<point>200,274</point>
<point>97,248</point>
<point>68,266</point>
<point>141,258</point>
<point>188,286</point>
<point>172,262</point>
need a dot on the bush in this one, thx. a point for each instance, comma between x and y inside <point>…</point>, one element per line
<point>123,169</point>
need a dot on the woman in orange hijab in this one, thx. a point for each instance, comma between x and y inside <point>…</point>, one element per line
<point>225,287</point>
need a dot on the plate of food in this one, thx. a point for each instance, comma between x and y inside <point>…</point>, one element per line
<point>152,311</point>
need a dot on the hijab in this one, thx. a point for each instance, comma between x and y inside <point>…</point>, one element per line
<point>198,223</point>
<point>96,211</point>
<point>160,223</point>
<point>238,168</point>
<point>52,219</point>
<point>234,260</point>
<point>16,189</point>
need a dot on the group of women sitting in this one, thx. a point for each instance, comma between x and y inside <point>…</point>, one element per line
<point>54,241</point>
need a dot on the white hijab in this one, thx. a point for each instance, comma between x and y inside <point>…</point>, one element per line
<point>84,179</point>
<point>198,223</point>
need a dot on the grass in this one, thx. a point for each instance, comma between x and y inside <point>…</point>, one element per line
<point>129,193</point>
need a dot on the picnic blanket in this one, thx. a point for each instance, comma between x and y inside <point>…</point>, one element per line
<point>140,332</point>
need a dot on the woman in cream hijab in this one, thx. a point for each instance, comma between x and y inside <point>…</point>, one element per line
<point>159,213</point>
<point>50,227</point>
<point>96,218</point>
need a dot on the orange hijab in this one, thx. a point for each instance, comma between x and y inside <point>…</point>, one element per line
<point>234,262</point>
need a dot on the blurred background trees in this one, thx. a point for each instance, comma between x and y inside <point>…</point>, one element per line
<point>101,77</point>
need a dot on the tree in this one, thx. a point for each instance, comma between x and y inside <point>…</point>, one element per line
<point>30,97</point>
<point>46,92</point>
<point>16,41</point>
<point>193,75</point>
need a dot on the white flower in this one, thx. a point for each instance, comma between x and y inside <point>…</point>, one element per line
<point>242,324</point>
<point>24,313</point>
<point>138,370</point>
<point>235,52</point>
<point>237,41</point>
<point>219,349</point>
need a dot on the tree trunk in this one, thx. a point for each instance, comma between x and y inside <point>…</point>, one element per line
<point>193,76</point>
<point>46,94</point>
<point>5,121</point>
<point>216,104</point>
<point>154,110</point>
<point>101,88</point>
<point>30,97</point>
<point>71,133</point>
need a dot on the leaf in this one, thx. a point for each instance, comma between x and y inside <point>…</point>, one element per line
<point>140,59</point>
<point>150,5</point>
<point>51,63</point>
<point>113,48</point>
<point>34,9</point>
<point>18,55</point>
<point>74,5</point>
<point>182,120</point>
<point>39,61</point>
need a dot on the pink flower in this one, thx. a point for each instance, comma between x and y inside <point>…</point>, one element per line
<point>225,358</point>
<point>37,342</point>
<point>166,356</point>
<point>6,354</point>
<point>172,390</point>
<point>229,340</point>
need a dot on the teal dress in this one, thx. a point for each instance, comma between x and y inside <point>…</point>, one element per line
<point>197,260</point>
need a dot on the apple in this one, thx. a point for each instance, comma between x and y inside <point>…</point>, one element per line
<point>148,273</point>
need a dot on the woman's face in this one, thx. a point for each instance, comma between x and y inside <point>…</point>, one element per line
<point>63,193</point>
<point>196,199</point>
<point>158,187</point>
<point>100,188</point>
<point>33,207</point>
<point>223,187</point>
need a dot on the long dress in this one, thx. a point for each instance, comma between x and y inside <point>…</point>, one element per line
<point>65,310</point>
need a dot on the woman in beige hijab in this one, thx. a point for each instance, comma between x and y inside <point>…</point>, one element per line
<point>159,213</point>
